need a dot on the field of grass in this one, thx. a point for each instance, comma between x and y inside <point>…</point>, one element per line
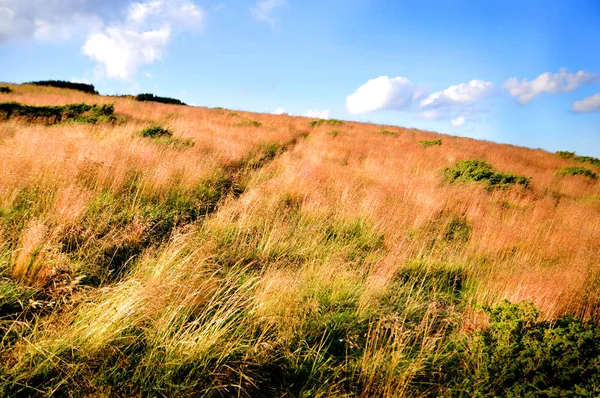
<point>270,256</point>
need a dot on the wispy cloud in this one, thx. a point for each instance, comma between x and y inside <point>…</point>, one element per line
<point>587,105</point>
<point>383,93</point>
<point>551,83</point>
<point>263,11</point>
<point>317,114</point>
<point>458,95</point>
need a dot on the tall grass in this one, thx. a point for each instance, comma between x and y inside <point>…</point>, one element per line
<point>281,262</point>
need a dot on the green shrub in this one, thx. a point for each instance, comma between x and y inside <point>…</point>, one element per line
<point>388,132</point>
<point>566,154</point>
<point>333,133</point>
<point>156,132</point>
<point>518,356</point>
<point>330,122</point>
<point>81,113</point>
<point>86,88</point>
<point>176,143</point>
<point>426,143</point>
<point>5,90</point>
<point>577,171</point>
<point>581,159</point>
<point>154,98</point>
<point>481,171</point>
<point>249,123</point>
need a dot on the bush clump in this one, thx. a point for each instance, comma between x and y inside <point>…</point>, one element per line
<point>334,133</point>
<point>155,98</point>
<point>156,132</point>
<point>577,171</point>
<point>86,88</point>
<point>329,122</point>
<point>581,159</point>
<point>426,143</point>
<point>5,90</point>
<point>388,132</point>
<point>518,355</point>
<point>80,113</point>
<point>481,171</point>
<point>248,123</point>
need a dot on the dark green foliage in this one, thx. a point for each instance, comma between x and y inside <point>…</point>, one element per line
<point>81,113</point>
<point>431,143</point>
<point>481,171</point>
<point>330,122</point>
<point>458,230</point>
<point>5,90</point>
<point>154,98</point>
<point>175,142</point>
<point>518,356</point>
<point>577,171</point>
<point>249,123</point>
<point>86,88</point>
<point>581,159</point>
<point>388,132</point>
<point>156,132</point>
<point>333,133</point>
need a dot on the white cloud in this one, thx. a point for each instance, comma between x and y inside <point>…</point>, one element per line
<point>279,111</point>
<point>263,10</point>
<point>460,94</point>
<point>122,49</point>
<point>459,121</point>
<point>317,114</point>
<point>382,93</point>
<point>587,105</point>
<point>551,83</point>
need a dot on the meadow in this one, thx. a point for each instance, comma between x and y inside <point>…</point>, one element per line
<point>169,250</point>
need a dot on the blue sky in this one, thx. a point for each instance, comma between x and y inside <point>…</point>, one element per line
<point>522,72</point>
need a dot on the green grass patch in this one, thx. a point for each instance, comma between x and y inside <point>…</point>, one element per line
<point>175,142</point>
<point>388,133</point>
<point>5,90</point>
<point>329,122</point>
<point>482,172</point>
<point>334,133</point>
<point>156,132</point>
<point>86,88</point>
<point>426,143</point>
<point>577,171</point>
<point>154,98</point>
<point>248,123</point>
<point>582,159</point>
<point>79,113</point>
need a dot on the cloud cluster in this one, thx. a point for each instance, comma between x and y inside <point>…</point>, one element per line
<point>382,93</point>
<point>121,49</point>
<point>317,114</point>
<point>551,83</point>
<point>460,94</point>
<point>587,105</point>
<point>263,10</point>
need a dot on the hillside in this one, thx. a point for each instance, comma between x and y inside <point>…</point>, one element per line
<point>238,254</point>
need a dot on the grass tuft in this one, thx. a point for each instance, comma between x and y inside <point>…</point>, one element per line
<point>388,133</point>
<point>577,171</point>
<point>78,113</point>
<point>329,122</point>
<point>483,172</point>
<point>426,143</point>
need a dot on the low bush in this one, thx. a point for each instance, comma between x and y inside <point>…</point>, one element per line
<point>156,132</point>
<point>176,143</point>
<point>248,123</point>
<point>388,132</point>
<point>426,143</point>
<point>5,90</point>
<point>330,122</point>
<point>518,356</point>
<point>577,171</point>
<point>86,88</point>
<point>333,133</point>
<point>577,158</point>
<point>155,98</point>
<point>481,171</point>
<point>80,113</point>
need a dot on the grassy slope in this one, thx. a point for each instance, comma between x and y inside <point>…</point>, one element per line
<point>272,259</point>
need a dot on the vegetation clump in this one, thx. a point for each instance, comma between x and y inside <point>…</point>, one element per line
<point>79,113</point>
<point>249,123</point>
<point>5,90</point>
<point>86,88</point>
<point>155,98</point>
<point>161,135</point>
<point>388,132</point>
<point>426,143</point>
<point>330,122</point>
<point>481,171</point>
<point>333,133</point>
<point>577,158</point>
<point>156,132</point>
<point>577,171</point>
